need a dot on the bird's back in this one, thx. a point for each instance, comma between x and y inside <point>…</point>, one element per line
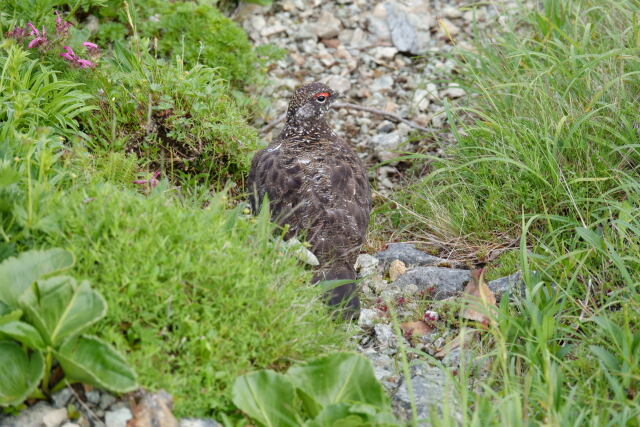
<point>320,189</point>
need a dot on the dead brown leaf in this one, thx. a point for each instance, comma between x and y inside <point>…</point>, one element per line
<point>416,329</point>
<point>479,295</point>
<point>463,339</point>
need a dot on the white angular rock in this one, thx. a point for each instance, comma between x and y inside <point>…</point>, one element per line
<point>366,264</point>
<point>55,418</point>
<point>451,12</point>
<point>421,100</point>
<point>340,83</point>
<point>327,27</point>
<point>367,318</point>
<point>385,336</point>
<point>453,91</point>
<point>382,52</point>
<point>117,418</point>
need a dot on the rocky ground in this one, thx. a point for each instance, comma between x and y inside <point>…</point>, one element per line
<point>423,294</point>
<point>394,56</point>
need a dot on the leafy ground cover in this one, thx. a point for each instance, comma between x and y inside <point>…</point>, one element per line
<point>115,160</point>
<point>552,156</point>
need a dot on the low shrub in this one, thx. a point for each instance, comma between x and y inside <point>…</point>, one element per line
<point>197,296</point>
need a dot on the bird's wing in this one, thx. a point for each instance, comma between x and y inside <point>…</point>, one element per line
<point>275,174</point>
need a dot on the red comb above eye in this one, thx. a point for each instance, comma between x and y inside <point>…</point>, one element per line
<point>326,94</point>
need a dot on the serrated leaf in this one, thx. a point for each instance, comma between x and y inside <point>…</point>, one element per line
<point>90,360</point>
<point>19,373</point>
<point>24,333</point>
<point>267,397</point>
<point>337,378</point>
<point>59,308</point>
<point>17,273</point>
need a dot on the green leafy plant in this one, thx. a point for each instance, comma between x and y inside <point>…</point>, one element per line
<point>337,389</point>
<point>47,316</point>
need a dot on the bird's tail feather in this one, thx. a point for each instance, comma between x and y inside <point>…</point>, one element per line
<point>344,296</point>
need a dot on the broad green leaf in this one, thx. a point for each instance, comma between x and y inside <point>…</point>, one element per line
<point>17,273</point>
<point>333,414</point>
<point>7,315</point>
<point>90,360</point>
<point>24,333</point>
<point>267,397</point>
<point>337,378</point>
<point>19,373</point>
<point>59,308</point>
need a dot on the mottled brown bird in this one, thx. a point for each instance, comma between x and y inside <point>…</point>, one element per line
<point>317,185</point>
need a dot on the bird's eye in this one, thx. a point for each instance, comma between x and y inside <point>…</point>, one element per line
<point>321,97</point>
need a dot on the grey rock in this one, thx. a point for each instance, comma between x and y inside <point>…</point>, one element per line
<point>403,34</point>
<point>70,424</point>
<point>445,282</point>
<point>453,91</point>
<point>384,52</point>
<point>513,284</point>
<point>366,264</point>
<point>382,83</point>
<point>383,369</point>
<point>35,416</point>
<point>55,418</point>
<point>93,396</point>
<point>106,401</point>
<point>407,253</point>
<point>385,336</point>
<point>385,127</point>
<point>386,141</point>
<point>340,83</point>
<point>377,23</point>
<point>328,26</point>
<point>117,418</point>
<point>62,397</point>
<point>194,422</point>
<point>368,317</point>
<point>421,100</point>
<point>430,391</point>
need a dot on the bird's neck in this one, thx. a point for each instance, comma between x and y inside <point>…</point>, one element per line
<point>309,129</point>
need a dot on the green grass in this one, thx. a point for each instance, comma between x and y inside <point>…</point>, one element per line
<point>196,296</point>
<point>551,155</point>
<point>198,292</point>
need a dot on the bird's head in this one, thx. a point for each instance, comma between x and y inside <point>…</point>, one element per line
<point>310,102</point>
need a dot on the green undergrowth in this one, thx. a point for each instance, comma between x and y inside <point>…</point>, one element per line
<point>551,156</point>
<point>198,292</point>
<point>196,296</point>
<point>168,82</point>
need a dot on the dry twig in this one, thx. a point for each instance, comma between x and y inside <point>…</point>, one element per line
<point>349,106</point>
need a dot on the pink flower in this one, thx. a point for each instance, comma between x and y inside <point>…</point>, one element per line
<point>69,55</point>
<point>90,45</point>
<point>431,316</point>
<point>40,38</point>
<point>17,33</point>
<point>62,26</point>
<point>34,31</point>
<point>151,181</point>
<point>92,48</point>
<point>85,63</point>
